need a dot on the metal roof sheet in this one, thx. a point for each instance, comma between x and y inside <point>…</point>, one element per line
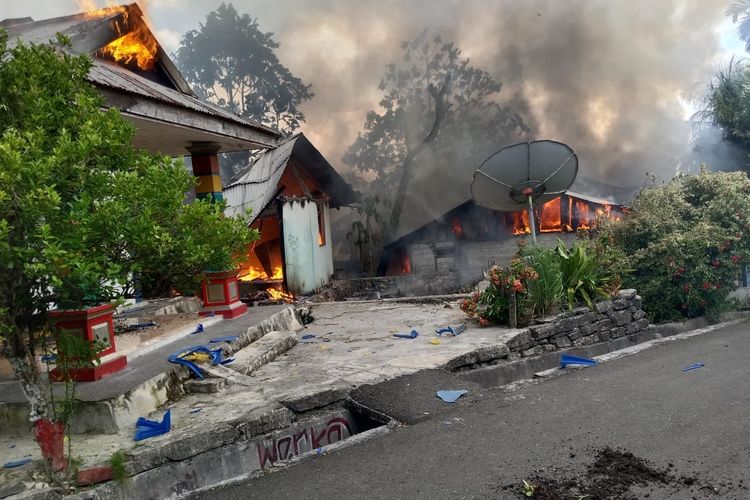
<point>80,27</point>
<point>256,186</point>
<point>112,75</point>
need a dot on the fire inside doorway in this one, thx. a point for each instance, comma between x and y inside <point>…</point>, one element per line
<point>289,190</point>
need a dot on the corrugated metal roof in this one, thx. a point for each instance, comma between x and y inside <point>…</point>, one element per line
<point>41,32</point>
<point>112,75</point>
<point>255,187</point>
<point>79,28</point>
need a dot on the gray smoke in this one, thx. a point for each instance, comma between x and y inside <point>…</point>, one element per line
<point>601,75</point>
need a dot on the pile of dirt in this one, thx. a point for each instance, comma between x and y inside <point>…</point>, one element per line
<point>610,477</point>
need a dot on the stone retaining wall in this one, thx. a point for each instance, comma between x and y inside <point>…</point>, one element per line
<point>607,320</point>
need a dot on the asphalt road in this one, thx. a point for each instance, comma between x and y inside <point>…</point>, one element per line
<point>698,421</point>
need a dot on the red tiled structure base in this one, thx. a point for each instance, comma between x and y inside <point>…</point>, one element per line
<point>220,295</point>
<point>229,312</point>
<point>94,475</point>
<point>107,367</point>
<point>93,324</point>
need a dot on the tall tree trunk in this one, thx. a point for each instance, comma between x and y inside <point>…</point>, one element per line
<point>441,107</point>
<point>25,370</point>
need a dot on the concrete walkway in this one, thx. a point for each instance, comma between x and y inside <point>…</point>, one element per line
<point>147,366</point>
<point>694,424</point>
<point>353,344</point>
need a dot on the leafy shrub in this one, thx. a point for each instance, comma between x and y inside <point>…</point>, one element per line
<point>684,241</point>
<point>541,280</point>
<point>584,276</point>
<point>546,292</point>
<point>506,286</point>
<point>81,210</point>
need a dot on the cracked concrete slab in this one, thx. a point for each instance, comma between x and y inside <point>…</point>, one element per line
<point>412,398</point>
<point>263,351</point>
<point>353,344</point>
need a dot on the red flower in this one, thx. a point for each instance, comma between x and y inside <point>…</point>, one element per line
<point>706,286</point>
<point>715,263</point>
<point>483,321</point>
<point>736,259</point>
<point>518,286</point>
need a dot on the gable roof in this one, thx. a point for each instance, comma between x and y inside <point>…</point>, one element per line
<point>437,187</point>
<point>164,85</point>
<point>256,186</point>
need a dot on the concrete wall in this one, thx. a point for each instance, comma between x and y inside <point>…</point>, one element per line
<point>408,285</point>
<point>307,265</point>
<point>470,259</point>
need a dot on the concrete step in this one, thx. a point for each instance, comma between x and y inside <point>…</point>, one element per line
<point>205,386</point>
<point>263,351</point>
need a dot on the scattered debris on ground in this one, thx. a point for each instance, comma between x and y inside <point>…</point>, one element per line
<point>612,476</point>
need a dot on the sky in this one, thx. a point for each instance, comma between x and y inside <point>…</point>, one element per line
<point>615,79</point>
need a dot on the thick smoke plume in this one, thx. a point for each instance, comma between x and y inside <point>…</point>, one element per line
<point>609,78</point>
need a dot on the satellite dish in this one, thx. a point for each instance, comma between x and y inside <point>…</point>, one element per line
<point>523,174</point>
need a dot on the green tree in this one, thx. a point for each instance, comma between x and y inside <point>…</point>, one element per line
<point>232,63</point>
<point>684,242</point>
<point>739,11</point>
<point>726,102</point>
<point>82,210</point>
<point>434,98</point>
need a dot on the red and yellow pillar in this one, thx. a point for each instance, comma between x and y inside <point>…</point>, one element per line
<point>205,161</point>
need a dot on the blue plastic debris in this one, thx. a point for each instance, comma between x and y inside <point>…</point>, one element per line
<point>195,410</point>
<point>145,428</point>
<point>227,361</point>
<point>198,329</point>
<point>178,358</point>
<point>569,359</point>
<point>16,463</point>
<point>451,330</point>
<point>49,358</point>
<point>451,396</point>
<point>308,336</point>
<point>412,335</point>
<point>228,338</point>
<point>694,366</point>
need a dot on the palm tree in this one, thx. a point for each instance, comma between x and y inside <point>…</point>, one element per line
<point>726,101</point>
<point>740,13</point>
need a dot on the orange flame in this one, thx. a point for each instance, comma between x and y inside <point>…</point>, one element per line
<point>277,294</point>
<point>521,222</point>
<point>137,46</point>
<point>458,231</point>
<point>551,217</point>
<point>134,45</point>
<point>254,273</point>
<point>582,216</point>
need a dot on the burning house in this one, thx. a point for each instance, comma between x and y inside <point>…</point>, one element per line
<point>465,240</point>
<point>133,73</point>
<point>290,190</point>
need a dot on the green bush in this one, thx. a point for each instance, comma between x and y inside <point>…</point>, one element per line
<point>684,241</point>
<point>546,292</point>
<point>585,276</point>
<point>82,212</point>
<point>540,281</point>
